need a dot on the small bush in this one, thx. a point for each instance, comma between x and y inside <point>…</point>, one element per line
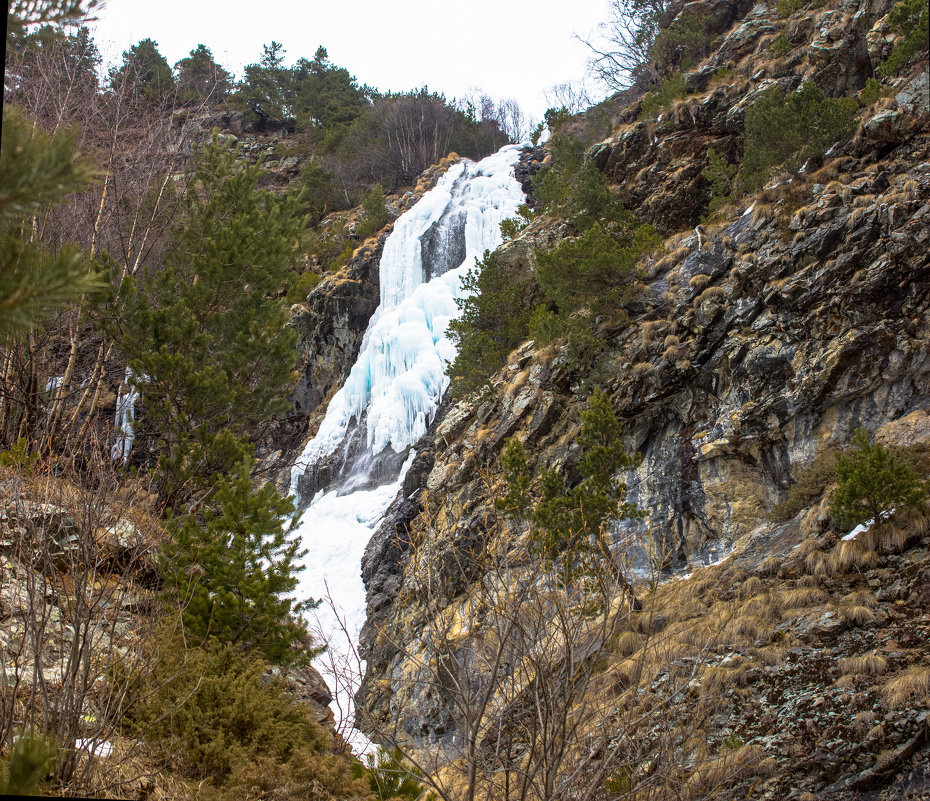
<point>871,92</point>
<point>781,46</point>
<point>374,214</point>
<point>872,484</point>
<point>683,43</point>
<point>719,173</point>
<point>671,89</point>
<point>31,760</point>
<point>302,286</point>
<point>786,8</point>
<point>212,717</point>
<point>512,226</point>
<point>494,319</point>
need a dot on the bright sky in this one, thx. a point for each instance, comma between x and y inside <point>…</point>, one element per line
<point>506,49</point>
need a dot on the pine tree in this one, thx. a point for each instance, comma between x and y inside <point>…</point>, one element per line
<point>234,569</point>
<point>872,484</point>
<point>206,336</point>
<point>36,172</point>
<point>145,65</point>
<point>267,85</point>
<point>570,524</point>
<point>200,77</point>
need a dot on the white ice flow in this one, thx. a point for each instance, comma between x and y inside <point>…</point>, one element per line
<point>396,385</point>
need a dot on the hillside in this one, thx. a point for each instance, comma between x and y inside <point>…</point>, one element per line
<point>667,534</point>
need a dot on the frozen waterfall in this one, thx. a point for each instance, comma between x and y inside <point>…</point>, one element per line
<point>393,391</point>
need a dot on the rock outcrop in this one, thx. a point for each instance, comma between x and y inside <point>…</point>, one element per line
<point>755,346</point>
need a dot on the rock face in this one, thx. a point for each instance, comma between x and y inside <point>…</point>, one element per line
<point>331,325</point>
<point>802,316</point>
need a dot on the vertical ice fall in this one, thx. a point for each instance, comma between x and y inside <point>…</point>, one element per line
<point>393,389</point>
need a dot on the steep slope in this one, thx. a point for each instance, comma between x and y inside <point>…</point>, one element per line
<point>795,318</point>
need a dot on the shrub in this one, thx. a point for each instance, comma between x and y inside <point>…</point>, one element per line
<point>781,46</point>
<point>494,317</point>
<point>596,270</point>
<point>302,285</point>
<point>671,89</point>
<point>683,43</point>
<point>390,779</point>
<point>873,483</point>
<point>212,716</point>
<point>908,18</point>
<point>31,760</point>
<point>870,93</point>
<point>786,8</point>
<point>719,173</point>
<point>512,226</point>
<point>374,214</point>
<point>234,568</point>
<point>568,523</point>
<point>785,129</point>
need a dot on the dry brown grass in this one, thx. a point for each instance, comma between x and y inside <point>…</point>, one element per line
<point>673,354</point>
<point>770,566</point>
<point>653,330</point>
<point>851,555</point>
<point>856,615</point>
<point>816,564</point>
<point>802,597</point>
<point>772,655</point>
<point>717,679</point>
<point>751,586</point>
<point>642,368</point>
<point>628,642</point>
<point>858,214</point>
<point>809,545</point>
<point>861,598</point>
<point>765,606</point>
<point>710,777</point>
<point>863,721</point>
<point>698,282</point>
<point>827,173</point>
<point>913,683</point>
<point>709,294</point>
<point>870,664</point>
<point>671,341</point>
<point>743,630</point>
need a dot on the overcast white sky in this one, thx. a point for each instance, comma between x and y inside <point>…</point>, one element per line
<point>507,49</point>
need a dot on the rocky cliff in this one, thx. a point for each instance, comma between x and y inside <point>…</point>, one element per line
<point>756,345</point>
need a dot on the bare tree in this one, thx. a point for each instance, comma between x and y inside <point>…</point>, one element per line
<point>573,96</point>
<point>621,54</point>
<point>138,144</point>
<point>80,627</point>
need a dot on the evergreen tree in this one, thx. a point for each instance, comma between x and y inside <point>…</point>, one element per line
<point>234,569</point>
<point>145,66</point>
<point>206,336</point>
<point>872,484</point>
<point>570,524</point>
<point>595,270</point>
<point>36,172</point>
<point>327,99</point>
<point>200,77</point>
<point>267,85</point>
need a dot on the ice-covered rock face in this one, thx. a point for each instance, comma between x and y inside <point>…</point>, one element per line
<point>399,376</point>
<point>393,391</point>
